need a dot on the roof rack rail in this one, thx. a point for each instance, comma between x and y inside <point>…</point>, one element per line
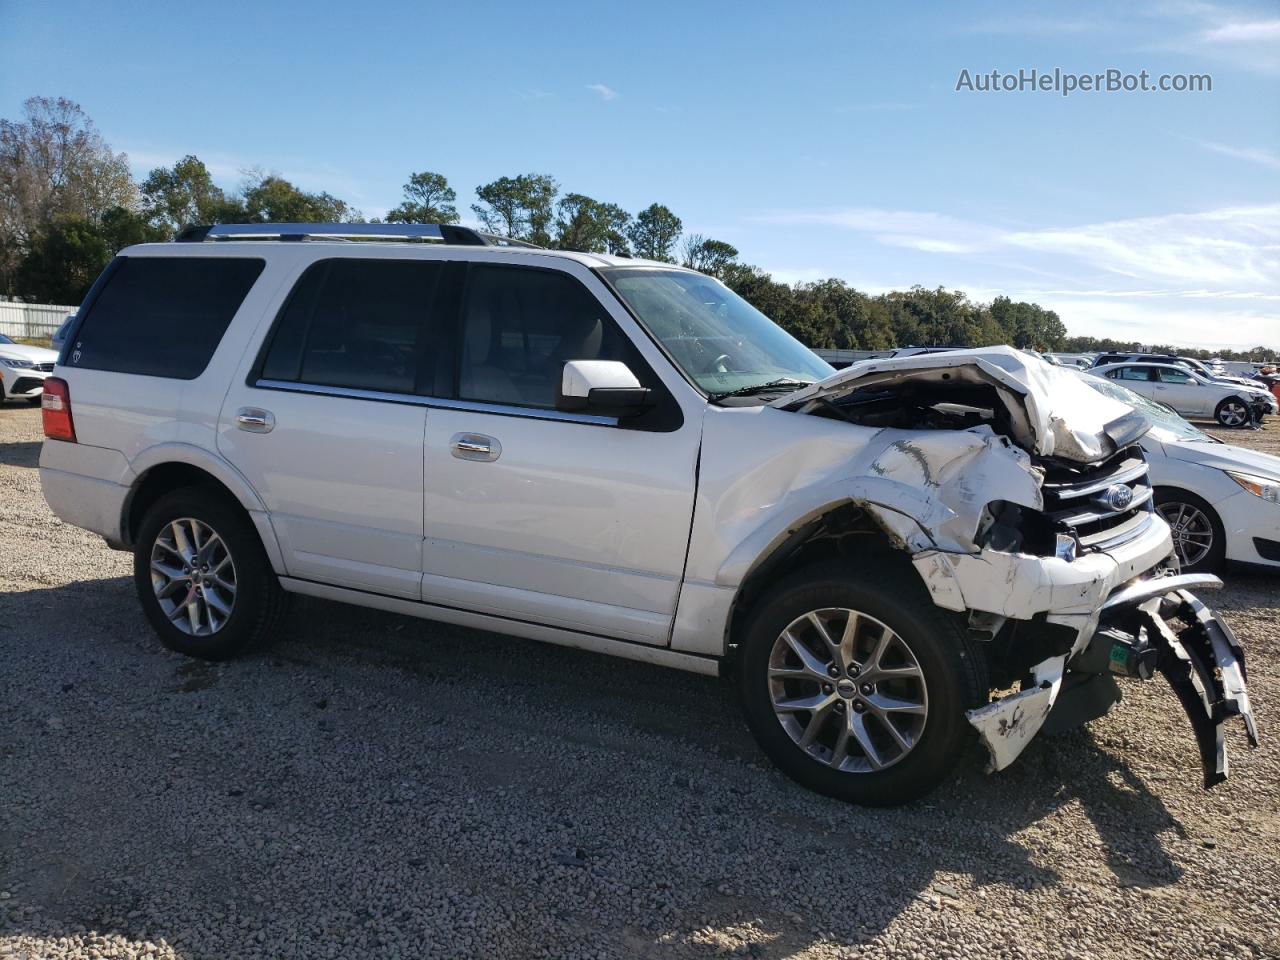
<point>423,232</point>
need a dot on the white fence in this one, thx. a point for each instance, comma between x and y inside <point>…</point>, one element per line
<point>36,321</point>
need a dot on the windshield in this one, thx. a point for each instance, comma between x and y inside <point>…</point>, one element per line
<point>719,340</point>
<point>4,339</point>
<point>1165,420</point>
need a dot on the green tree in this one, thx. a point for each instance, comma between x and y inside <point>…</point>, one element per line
<point>64,260</point>
<point>269,198</point>
<point>518,207</point>
<point>708,256</point>
<point>655,232</point>
<point>589,226</point>
<point>428,198</point>
<point>184,194</point>
<point>54,165</point>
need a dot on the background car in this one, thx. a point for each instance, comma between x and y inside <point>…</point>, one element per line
<point>23,370</point>
<point>60,335</point>
<point>1190,394</point>
<point>1207,371</point>
<point>1222,502</point>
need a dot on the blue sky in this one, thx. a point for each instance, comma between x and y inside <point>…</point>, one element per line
<point>821,140</point>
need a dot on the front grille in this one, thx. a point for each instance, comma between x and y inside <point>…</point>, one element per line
<point>1087,500</point>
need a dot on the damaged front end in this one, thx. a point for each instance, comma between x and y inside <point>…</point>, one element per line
<point>1023,499</point>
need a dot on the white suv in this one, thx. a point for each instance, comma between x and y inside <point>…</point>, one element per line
<point>626,457</point>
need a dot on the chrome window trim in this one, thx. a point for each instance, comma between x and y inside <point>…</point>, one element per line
<point>443,403</point>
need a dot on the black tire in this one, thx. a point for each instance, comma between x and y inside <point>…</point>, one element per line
<point>1229,409</point>
<point>258,598</point>
<point>1167,500</point>
<point>954,676</point>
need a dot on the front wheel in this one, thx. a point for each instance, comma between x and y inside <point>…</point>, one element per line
<point>855,684</point>
<point>1199,540</point>
<point>202,576</point>
<point>1232,412</point>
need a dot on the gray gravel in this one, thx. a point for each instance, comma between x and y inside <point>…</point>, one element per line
<point>378,786</point>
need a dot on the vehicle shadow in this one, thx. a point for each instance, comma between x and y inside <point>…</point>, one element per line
<point>343,778</point>
<point>20,453</point>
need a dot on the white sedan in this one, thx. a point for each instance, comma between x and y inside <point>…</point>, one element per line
<point>23,370</point>
<point>1221,501</point>
<point>1190,394</point>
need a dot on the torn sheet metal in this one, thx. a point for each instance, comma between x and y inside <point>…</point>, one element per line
<point>1052,411</point>
<point>1007,725</point>
<point>1188,661</point>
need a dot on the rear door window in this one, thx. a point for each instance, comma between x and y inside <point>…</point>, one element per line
<point>362,324</point>
<point>162,316</point>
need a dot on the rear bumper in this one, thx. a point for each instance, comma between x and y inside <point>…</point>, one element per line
<point>82,485</point>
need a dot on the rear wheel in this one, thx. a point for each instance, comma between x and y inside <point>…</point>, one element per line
<point>855,684</point>
<point>1232,412</point>
<point>202,577</point>
<point>1199,540</point>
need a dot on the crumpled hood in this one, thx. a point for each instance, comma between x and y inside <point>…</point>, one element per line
<point>1053,414</point>
<point>20,351</point>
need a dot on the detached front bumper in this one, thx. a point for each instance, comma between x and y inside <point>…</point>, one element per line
<point>1195,650</point>
<point>1148,626</point>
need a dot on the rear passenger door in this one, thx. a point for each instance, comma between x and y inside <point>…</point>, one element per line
<point>566,519</point>
<point>328,423</point>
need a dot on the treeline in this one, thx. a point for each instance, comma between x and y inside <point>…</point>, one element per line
<point>68,202</point>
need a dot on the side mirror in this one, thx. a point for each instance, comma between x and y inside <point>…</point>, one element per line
<point>601,386</point>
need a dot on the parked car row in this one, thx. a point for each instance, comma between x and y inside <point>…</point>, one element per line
<point>1222,502</point>
<point>1233,403</point>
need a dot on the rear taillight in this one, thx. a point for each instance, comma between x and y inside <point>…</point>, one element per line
<point>55,404</point>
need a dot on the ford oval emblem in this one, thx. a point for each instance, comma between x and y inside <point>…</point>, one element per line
<point>1116,497</point>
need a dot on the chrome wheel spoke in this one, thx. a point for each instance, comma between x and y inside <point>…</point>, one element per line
<point>812,665</point>
<point>198,593</point>
<point>816,703</point>
<point>869,691</point>
<point>880,703</point>
<point>858,726</point>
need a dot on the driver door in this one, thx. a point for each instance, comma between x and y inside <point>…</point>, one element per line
<point>565,519</point>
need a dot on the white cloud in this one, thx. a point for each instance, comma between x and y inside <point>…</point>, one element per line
<point>1211,277</point>
<point>1257,31</point>
<point>606,93</point>
<point>1252,154</point>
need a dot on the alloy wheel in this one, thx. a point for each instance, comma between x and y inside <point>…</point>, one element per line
<point>1234,413</point>
<point>193,576</point>
<point>848,690</point>
<point>1192,531</point>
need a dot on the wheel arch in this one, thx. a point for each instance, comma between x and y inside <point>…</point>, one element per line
<point>168,467</point>
<point>836,531</point>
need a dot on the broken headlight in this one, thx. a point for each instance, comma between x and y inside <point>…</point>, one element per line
<point>1011,528</point>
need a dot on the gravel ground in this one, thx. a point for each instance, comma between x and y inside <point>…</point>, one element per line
<point>379,786</point>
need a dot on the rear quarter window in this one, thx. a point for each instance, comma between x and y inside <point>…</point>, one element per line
<point>162,316</point>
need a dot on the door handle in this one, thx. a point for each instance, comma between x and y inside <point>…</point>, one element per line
<point>255,420</point>
<point>475,446</point>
